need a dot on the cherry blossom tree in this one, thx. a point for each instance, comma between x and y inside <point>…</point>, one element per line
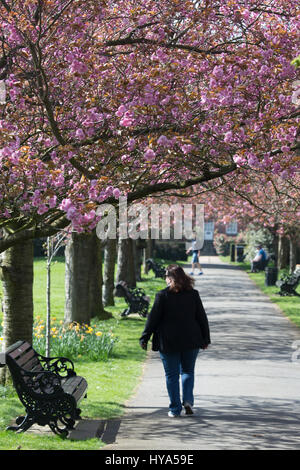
<point>264,201</point>
<point>132,97</point>
<point>104,98</point>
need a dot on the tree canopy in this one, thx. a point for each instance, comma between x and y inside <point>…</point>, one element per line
<point>106,98</point>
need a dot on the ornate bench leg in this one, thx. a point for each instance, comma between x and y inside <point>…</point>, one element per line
<point>23,423</point>
<point>63,432</point>
<point>125,313</point>
<point>68,422</point>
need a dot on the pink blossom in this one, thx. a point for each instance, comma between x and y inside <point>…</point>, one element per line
<point>6,152</point>
<point>15,158</point>
<point>59,181</point>
<point>163,140</point>
<point>253,160</point>
<point>89,216</point>
<point>228,137</point>
<point>205,128</point>
<point>165,100</point>
<point>109,190</point>
<point>245,14</point>
<point>78,67</point>
<point>65,204</point>
<point>218,71</point>
<point>80,134</point>
<point>71,212</point>
<point>131,145</point>
<point>42,209</point>
<point>52,202</point>
<point>127,119</point>
<point>121,111</point>
<point>116,193</point>
<point>187,148</point>
<point>149,155</point>
<point>264,70</point>
<point>142,20</point>
<point>126,158</point>
<point>238,160</point>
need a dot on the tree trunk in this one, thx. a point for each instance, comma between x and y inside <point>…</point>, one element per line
<point>292,241</point>
<point>126,266</point>
<point>110,257</point>
<point>17,302</point>
<point>283,252</point>
<point>147,253</point>
<point>83,279</point>
<point>137,260</point>
<point>96,307</point>
<point>48,300</point>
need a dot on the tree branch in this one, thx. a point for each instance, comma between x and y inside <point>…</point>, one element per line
<point>147,190</point>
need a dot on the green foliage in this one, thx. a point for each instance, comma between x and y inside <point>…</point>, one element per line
<point>296,62</point>
<point>222,244</point>
<point>257,236</point>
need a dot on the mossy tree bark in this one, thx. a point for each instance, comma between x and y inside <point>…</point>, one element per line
<point>110,257</point>
<point>83,279</point>
<point>17,301</point>
<point>126,263</point>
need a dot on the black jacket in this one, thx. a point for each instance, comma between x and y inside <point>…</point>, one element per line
<point>177,321</point>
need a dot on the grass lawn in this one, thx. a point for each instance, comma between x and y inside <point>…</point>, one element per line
<point>110,383</point>
<point>289,305</point>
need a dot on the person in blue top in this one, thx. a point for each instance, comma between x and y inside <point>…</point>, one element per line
<point>259,261</point>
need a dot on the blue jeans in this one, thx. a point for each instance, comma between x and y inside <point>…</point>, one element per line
<point>195,258</point>
<point>176,364</point>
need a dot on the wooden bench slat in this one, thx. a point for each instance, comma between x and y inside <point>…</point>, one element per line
<point>33,365</point>
<point>76,386</point>
<point>19,351</point>
<point>81,391</point>
<point>27,358</point>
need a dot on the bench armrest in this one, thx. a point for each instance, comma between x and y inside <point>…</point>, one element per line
<point>60,366</point>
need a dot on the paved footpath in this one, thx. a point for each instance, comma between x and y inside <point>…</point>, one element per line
<point>247,388</point>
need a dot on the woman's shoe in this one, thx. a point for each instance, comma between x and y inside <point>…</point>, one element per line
<point>188,408</point>
<point>173,415</point>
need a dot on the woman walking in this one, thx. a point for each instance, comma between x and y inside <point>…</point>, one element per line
<point>179,326</point>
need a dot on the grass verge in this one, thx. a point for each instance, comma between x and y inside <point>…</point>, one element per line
<point>289,305</point>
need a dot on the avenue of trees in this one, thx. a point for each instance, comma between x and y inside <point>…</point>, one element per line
<point>174,99</point>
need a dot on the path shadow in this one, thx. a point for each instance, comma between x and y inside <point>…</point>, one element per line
<point>247,422</point>
<point>222,266</point>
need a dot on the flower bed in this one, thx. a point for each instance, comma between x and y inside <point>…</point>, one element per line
<point>75,341</point>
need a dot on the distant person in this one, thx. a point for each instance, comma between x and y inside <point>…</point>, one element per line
<point>258,262</point>
<point>180,328</point>
<point>195,256</point>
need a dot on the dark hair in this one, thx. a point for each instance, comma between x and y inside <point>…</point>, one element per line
<point>179,280</point>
